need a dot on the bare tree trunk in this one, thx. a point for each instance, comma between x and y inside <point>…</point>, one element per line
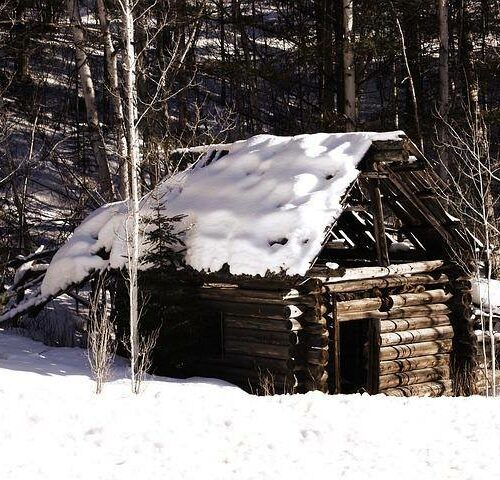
<point>324,33</point>
<point>412,85</point>
<point>114,90</point>
<point>133,159</point>
<point>349,67</point>
<point>96,138</point>
<point>339,55</point>
<point>395,93</point>
<point>444,86</point>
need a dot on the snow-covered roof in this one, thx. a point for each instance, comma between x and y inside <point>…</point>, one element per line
<point>263,206</point>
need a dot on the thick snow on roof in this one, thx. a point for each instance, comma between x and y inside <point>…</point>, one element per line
<point>264,206</point>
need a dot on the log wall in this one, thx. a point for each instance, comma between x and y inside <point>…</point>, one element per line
<point>274,339</point>
<point>415,317</point>
<point>406,333</point>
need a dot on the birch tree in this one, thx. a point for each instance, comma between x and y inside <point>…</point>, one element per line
<point>84,72</point>
<point>134,163</point>
<point>110,55</point>
<point>349,67</point>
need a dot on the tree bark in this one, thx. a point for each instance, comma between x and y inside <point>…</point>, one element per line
<point>95,134</point>
<point>444,88</point>
<point>133,160</point>
<point>114,91</point>
<point>324,34</point>
<point>349,67</point>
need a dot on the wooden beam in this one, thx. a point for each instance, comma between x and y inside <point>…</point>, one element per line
<point>373,356</point>
<point>364,273</point>
<point>386,282</point>
<point>425,212</point>
<point>333,347</point>
<point>414,363</point>
<point>378,222</point>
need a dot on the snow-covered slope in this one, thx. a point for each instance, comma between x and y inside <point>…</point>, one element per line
<point>53,427</point>
<point>262,207</point>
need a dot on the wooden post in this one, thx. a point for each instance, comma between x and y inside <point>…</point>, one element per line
<point>333,346</point>
<point>373,356</point>
<point>378,222</point>
<point>464,355</point>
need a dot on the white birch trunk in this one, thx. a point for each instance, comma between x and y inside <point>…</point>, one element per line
<point>133,159</point>
<point>349,67</point>
<point>114,90</point>
<point>95,134</point>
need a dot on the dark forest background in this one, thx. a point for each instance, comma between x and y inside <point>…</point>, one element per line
<point>220,70</point>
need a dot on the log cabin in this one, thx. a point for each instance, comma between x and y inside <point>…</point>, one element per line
<point>328,262</point>
<point>383,306</point>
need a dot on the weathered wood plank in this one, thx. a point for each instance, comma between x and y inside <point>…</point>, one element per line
<point>260,336</point>
<point>398,325</point>
<point>416,336</point>
<point>258,349</point>
<point>422,298</point>
<point>378,222</point>
<point>257,364</point>
<point>413,363</point>
<point>364,273</point>
<point>387,282</point>
<point>398,313</point>
<point>415,376</point>
<point>394,301</point>
<point>246,296</point>
<point>428,389</point>
<point>270,323</point>
<point>395,352</point>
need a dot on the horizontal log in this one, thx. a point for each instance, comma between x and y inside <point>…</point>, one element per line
<point>254,296</point>
<point>386,282</point>
<point>229,290</point>
<point>362,273</point>
<point>255,349</point>
<point>361,305</point>
<point>415,349</point>
<point>385,145</point>
<point>415,376</point>
<point>304,355</point>
<point>390,156</point>
<point>250,283</point>
<point>254,363</point>
<point>400,312</point>
<point>428,389</point>
<point>268,324</point>
<point>317,328</point>
<point>394,301</point>
<point>413,363</point>
<point>398,325</point>
<point>423,298</point>
<point>416,336</point>
<point>260,336</point>
<point>313,340</point>
<point>247,309</point>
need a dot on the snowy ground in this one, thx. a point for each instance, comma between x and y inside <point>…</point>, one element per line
<point>54,427</point>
